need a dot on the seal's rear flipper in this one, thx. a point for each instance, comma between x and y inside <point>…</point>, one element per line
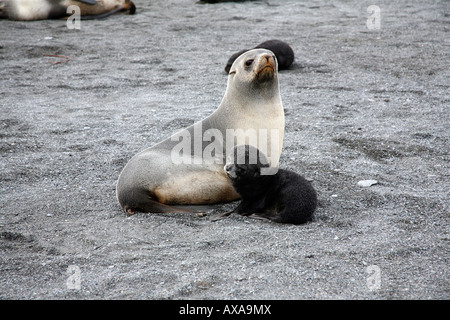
<point>152,206</point>
<point>141,200</point>
<point>88,1</point>
<point>101,16</point>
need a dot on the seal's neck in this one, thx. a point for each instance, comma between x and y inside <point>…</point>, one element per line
<point>251,96</point>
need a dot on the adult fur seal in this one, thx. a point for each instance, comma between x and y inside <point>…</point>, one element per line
<point>283,52</point>
<point>55,9</point>
<point>251,111</point>
<point>279,195</point>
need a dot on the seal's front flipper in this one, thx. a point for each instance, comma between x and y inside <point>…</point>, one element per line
<point>221,216</point>
<point>195,208</point>
<point>265,216</point>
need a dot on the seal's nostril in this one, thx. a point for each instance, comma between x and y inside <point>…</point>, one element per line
<point>267,56</point>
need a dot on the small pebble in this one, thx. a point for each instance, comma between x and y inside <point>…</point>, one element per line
<point>367,183</point>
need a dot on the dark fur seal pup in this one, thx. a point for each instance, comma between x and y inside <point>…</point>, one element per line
<point>283,52</point>
<point>278,195</point>
<point>28,10</point>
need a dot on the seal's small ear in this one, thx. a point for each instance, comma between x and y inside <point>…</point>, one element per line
<point>232,72</point>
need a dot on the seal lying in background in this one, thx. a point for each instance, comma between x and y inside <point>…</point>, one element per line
<point>28,10</point>
<point>283,52</point>
<point>278,195</point>
<point>158,176</point>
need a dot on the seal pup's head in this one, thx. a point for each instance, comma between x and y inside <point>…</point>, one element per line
<point>248,169</point>
<point>254,70</point>
<point>249,160</point>
<point>245,158</point>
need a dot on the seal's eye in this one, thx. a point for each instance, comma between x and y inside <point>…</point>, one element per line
<point>249,62</point>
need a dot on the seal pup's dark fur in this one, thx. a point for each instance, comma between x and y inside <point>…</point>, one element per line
<point>276,194</point>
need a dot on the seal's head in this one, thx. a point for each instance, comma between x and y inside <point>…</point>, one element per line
<point>129,6</point>
<point>254,69</point>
